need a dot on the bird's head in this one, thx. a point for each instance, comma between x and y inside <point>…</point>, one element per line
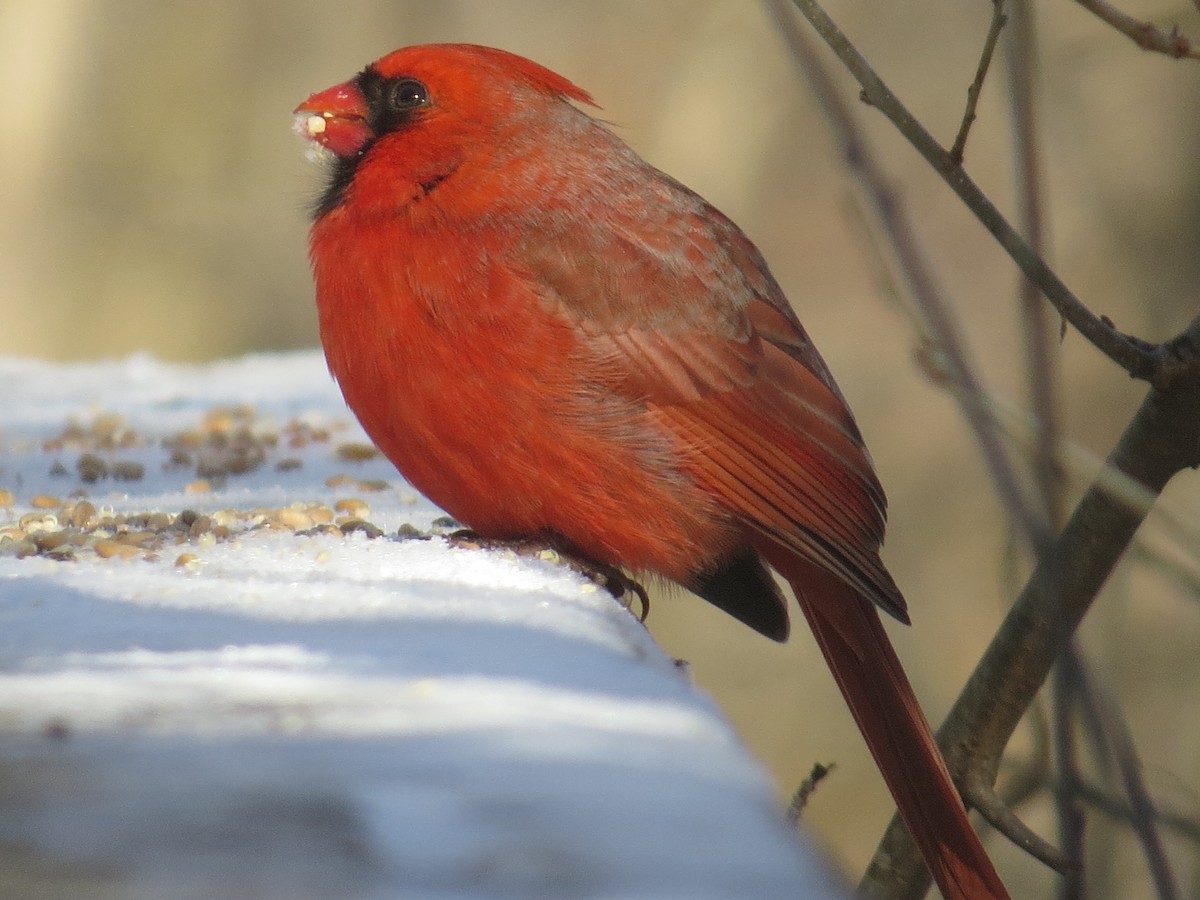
<point>423,108</point>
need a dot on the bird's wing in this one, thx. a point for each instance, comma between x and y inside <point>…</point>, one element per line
<point>683,315</point>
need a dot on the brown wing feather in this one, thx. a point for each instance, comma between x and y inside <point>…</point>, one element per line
<point>686,318</point>
<point>777,459</point>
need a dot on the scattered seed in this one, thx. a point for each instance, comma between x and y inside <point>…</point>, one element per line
<point>321,515</point>
<point>200,525</point>
<point>137,538</point>
<point>108,549</point>
<point>31,522</point>
<point>229,441</point>
<point>350,526</point>
<point>127,470</point>
<point>82,514</point>
<point>179,458</point>
<point>23,549</point>
<point>353,507</point>
<point>356,452</point>
<point>109,427</point>
<point>224,517</point>
<point>49,540</point>
<point>91,468</point>
<point>295,519</point>
<point>158,521</point>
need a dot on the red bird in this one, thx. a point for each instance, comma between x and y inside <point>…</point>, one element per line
<point>550,338</point>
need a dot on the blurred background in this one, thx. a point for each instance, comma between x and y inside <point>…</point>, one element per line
<point>154,199</point>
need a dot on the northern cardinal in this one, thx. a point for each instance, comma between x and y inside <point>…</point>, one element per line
<point>550,338</point>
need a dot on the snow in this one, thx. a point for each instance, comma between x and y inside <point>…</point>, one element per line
<point>304,715</point>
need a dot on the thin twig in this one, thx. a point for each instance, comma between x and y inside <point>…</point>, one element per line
<point>1042,384</point>
<point>1187,580</point>
<point>800,799</point>
<point>1033,776</point>
<point>1042,378</point>
<point>1071,820</point>
<point>985,60</point>
<point>1118,744</point>
<point>1001,817</point>
<point>1037,774</point>
<point>1152,362</point>
<point>1145,35</point>
<point>1185,826</point>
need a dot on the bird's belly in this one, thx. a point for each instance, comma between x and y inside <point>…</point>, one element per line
<point>509,436</point>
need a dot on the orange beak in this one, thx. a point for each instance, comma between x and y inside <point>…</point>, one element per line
<point>336,119</point>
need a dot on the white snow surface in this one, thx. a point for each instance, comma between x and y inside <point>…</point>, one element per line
<point>324,717</point>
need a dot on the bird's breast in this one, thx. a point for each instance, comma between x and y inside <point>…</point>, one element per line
<point>494,408</point>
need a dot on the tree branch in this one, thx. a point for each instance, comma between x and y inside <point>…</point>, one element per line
<point>1072,822</point>
<point>1041,363</point>
<point>1001,817</point>
<point>1145,35</point>
<point>985,61</point>
<point>1120,809</point>
<point>1162,439</point>
<point>1116,741</point>
<point>1151,362</point>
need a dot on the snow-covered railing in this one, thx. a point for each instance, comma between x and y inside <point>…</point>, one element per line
<point>233,664</point>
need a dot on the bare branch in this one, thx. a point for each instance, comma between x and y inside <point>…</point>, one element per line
<point>1162,439</point>
<point>1001,817</point>
<point>1145,35</point>
<point>1187,580</point>
<point>1071,821</point>
<point>1157,364</point>
<point>1118,743</point>
<point>805,791</point>
<point>985,61</point>
<point>1118,808</point>
<point>1042,379</point>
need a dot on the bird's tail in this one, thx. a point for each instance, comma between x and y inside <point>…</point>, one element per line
<point>865,666</point>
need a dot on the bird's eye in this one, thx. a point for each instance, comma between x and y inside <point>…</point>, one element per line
<point>407,93</point>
